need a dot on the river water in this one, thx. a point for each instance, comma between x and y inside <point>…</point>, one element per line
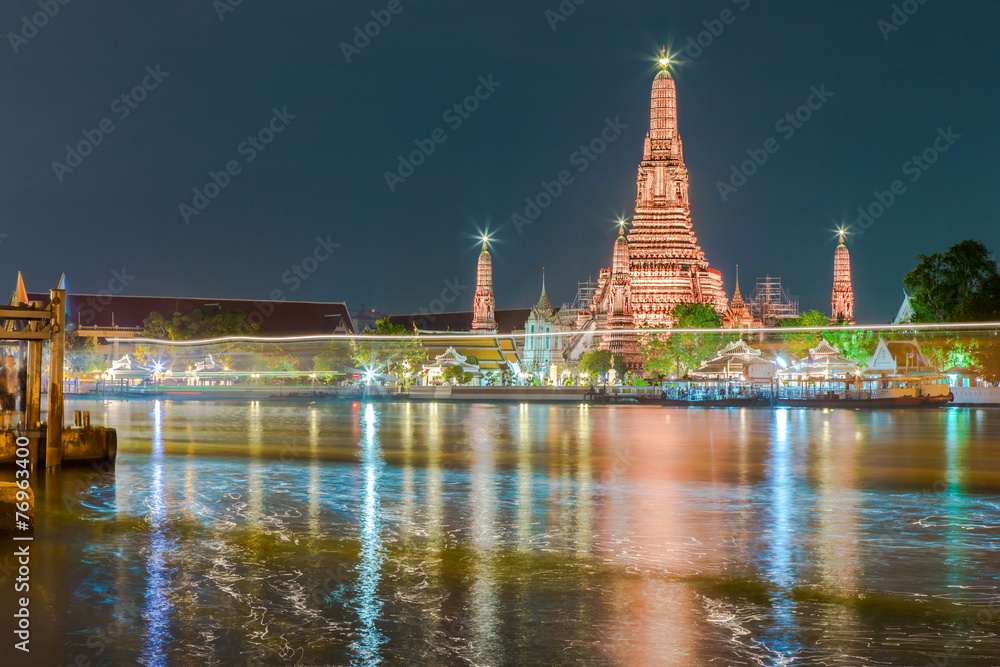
<point>315,533</point>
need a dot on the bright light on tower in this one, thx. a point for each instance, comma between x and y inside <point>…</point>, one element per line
<point>664,59</point>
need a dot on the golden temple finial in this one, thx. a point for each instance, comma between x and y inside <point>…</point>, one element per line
<point>842,232</point>
<point>664,60</point>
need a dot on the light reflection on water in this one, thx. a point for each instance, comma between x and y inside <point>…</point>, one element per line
<point>335,533</point>
<point>369,571</point>
<point>158,607</point>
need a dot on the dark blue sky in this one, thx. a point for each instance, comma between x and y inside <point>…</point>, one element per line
<point>324,174</point>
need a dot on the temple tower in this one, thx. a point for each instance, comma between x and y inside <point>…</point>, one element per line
<point>738,315</point>
<point>843,293</point>
<point>668,266</point>
<point>484,303</point>
<point>541,351</point>
<point>619,309</point>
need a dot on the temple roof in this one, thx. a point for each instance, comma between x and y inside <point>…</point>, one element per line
<point>738,348</point>
<point>493,352</point>
<point>898,357</point>
<point>543,309</point>
<point>824,348</point>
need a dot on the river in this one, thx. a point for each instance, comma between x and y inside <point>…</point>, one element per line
<point>311,533</point>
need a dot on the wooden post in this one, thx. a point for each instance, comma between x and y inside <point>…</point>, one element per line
<point>53,442</point>
<point>33,395</point>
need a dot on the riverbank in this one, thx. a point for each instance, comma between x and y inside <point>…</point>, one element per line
<point>977,397</point>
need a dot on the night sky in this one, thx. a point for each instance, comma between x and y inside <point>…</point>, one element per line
<point>216,77</point>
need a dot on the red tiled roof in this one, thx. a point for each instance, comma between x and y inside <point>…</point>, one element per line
<point>275,318</point>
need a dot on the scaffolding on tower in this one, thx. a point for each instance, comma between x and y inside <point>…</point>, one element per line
<point>585,292</point>
<point>769,303</point>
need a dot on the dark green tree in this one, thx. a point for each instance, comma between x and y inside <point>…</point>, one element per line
<point>679,352</point>
<point>595,363</point>
<point>402,357</point>
<point>856,345</point>
<point>959,285</point>
<point>798,343</point>
<point>196,324</point>
<point>82,357</point>
<point>455,375</point>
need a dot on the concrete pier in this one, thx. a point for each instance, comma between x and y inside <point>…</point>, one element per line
<point>79,445</point>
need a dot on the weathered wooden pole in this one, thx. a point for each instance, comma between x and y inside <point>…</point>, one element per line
<point>33,392</point>
<point>57,345</point>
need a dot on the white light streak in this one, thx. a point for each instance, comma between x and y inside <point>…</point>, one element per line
<point>430,335</point>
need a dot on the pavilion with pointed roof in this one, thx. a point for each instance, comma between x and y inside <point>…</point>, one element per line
<point>737,361</point>
<point>450,357</point>
<point>895,358</point>
<point>824,361</point>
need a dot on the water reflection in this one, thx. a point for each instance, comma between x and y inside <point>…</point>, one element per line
<point>463,534</point>
<point>779,564</point>
<point>369,606</point>
<point>158,606</point>
<point>483,601</point>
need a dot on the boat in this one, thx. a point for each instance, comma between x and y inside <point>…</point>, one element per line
<point>912,391</point>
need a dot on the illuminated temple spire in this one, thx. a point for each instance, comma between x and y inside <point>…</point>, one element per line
<point>619,308</point>
<point>738,315</point>
<point>544,306</point>
<point>668,266</point>
<point>484,303</point>
<point>843,292</point>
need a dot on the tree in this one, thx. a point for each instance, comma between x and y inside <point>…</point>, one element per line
<point>455,375</point>
<point>678,352</point>
<point>798,343</point>
<point>199,323</point>
<point>196,324</point>
<point>335,358</point>
<point>82,357</point>
<point>856,345</point>
<point>398,357</point>
<point>960,285</point>
<point>595,362</point>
